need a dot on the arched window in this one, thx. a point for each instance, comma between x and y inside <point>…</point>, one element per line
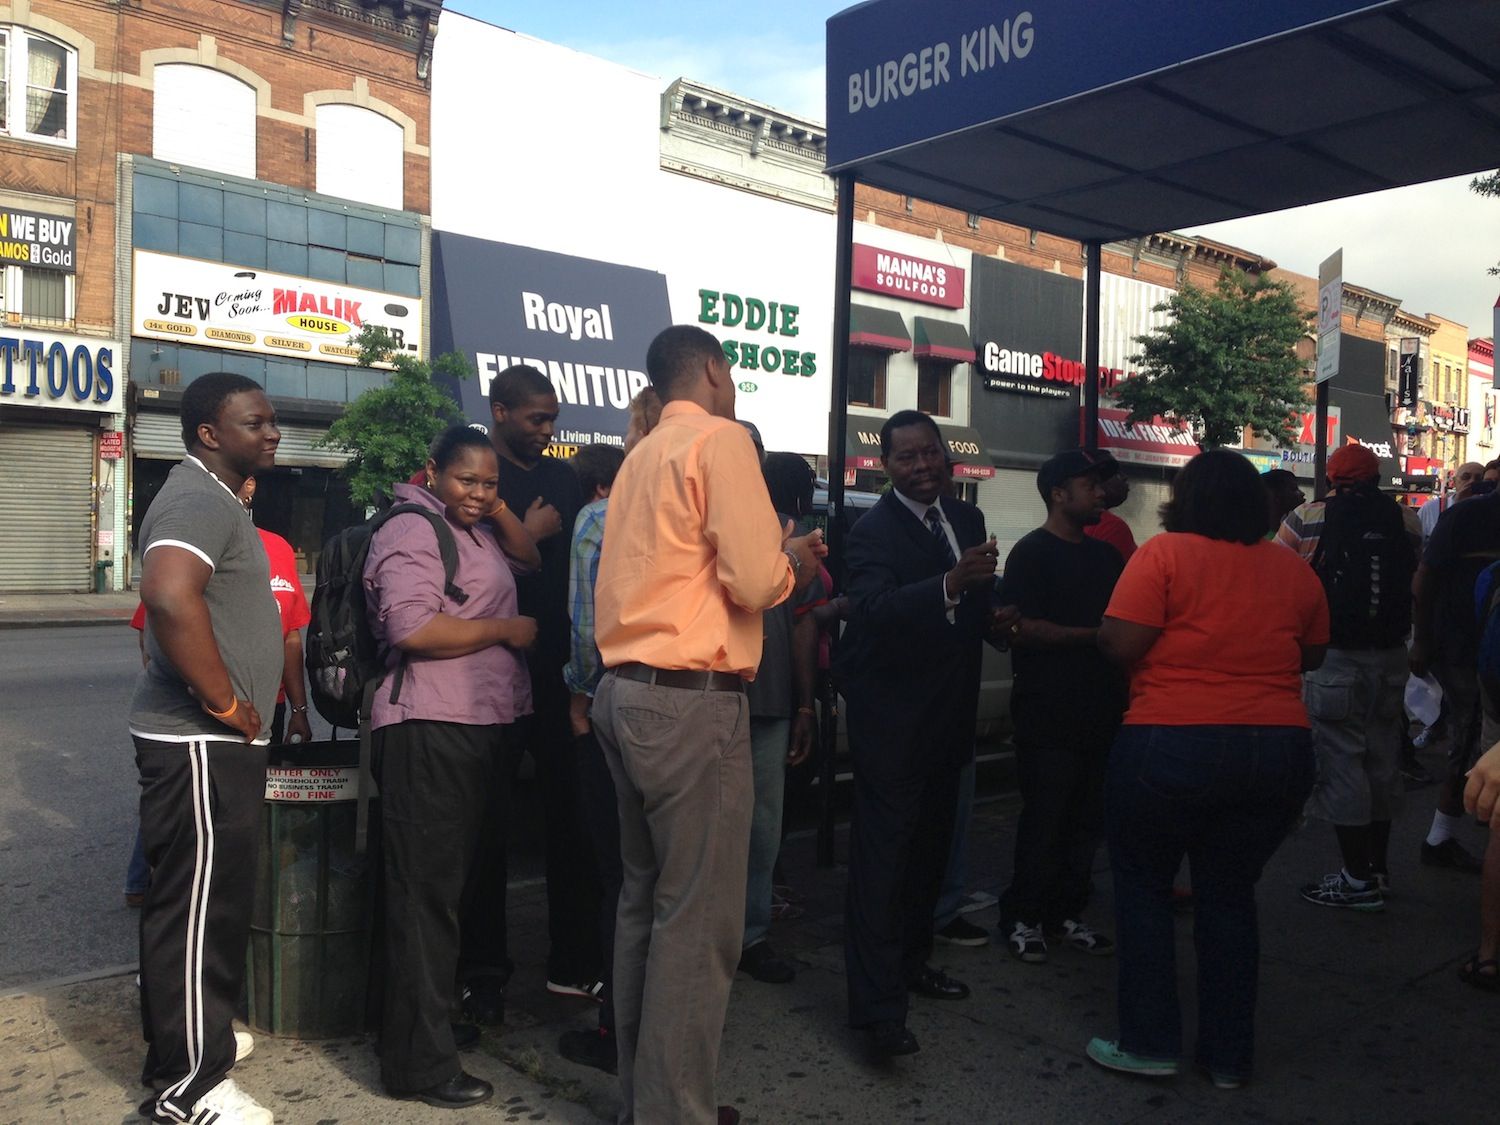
<point>203,118</point>
<point>38,87</point>
<point>360,155</point>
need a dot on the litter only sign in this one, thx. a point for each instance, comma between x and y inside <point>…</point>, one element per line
<point>312,786</point>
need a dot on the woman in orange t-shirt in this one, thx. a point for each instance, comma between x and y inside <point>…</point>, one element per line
<point>1214,760</point>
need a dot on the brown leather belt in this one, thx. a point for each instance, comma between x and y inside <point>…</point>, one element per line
<point>673,677</point>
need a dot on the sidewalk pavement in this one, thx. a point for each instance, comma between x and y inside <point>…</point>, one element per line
<point>1361,1018</point>
<point>37,611</point>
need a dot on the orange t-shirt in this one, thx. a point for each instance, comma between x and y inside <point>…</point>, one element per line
<point>1232,618</point>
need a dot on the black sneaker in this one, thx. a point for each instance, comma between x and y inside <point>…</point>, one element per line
<point>1451,854</point>
<point>766,965</point>
<point>595,1048</point>
<point>961,931</point>
<point>484,1001</point>
<point>1026,943</point>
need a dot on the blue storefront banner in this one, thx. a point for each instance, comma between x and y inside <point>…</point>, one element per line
<point>585,324</point>
<point>905,71</point>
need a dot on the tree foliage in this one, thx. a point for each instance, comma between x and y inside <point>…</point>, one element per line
<point>1225,360</point>
<point>1487,186</point>
<point>387,430</point>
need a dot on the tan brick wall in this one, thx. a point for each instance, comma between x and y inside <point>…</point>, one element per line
<point>114,107</point>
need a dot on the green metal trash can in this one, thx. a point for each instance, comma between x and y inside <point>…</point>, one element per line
<point>310,926</point>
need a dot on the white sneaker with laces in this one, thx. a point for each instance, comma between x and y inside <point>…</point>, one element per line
<point>1082,937</point>
<point>233,1106</point>
<point>1026,943</point>
<point>244,1045</point>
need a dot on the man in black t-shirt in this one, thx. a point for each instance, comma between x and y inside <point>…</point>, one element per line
<point>1445,641</point>
<point>543,492</point>
<point>1067,702</point>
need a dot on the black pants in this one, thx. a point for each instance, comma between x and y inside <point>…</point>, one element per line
<point>433,779</point>
<point>898,851</point>
<point>573,889</point>
<point>1061,827</point>
<point>601,814</point>
<point>200,820</point>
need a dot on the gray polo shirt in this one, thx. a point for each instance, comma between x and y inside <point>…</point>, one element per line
<point>196,512</point>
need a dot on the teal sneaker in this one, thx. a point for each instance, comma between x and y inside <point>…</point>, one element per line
<point>1107,1053</point>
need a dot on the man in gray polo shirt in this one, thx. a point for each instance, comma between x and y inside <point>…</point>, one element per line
<point>213,638</point>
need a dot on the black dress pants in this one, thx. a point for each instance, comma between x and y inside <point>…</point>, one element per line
<point>601,814</point>
<point>1060,828</point>
<point>200,820</point>
<point>573,889</point>
<point>433,781</point>
<point>904,805</point>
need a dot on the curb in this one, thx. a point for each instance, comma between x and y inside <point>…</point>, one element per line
<point>121,617</point>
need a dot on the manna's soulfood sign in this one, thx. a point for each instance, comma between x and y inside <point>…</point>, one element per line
<point>219,305</point>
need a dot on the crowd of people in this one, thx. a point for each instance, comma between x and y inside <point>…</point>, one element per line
<point>654,626</point>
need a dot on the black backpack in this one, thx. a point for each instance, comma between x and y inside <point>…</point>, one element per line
<point>1366,560</point>
<point>345,664</point>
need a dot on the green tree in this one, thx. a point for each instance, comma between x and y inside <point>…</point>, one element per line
<point>1487,186</point>
<point>1226,360</point>
<point>387,430</point>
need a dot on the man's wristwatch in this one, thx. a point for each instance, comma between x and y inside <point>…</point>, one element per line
<point>794,560</point>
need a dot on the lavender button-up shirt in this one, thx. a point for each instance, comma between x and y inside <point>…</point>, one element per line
<point>404,591</point>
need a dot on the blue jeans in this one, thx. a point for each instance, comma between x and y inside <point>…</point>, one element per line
<point>958,853</point>
<point>138,875</point>
<point>1224,796</point>
<point>769,739</point>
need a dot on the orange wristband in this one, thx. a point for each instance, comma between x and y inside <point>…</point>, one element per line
<point>223,715</point>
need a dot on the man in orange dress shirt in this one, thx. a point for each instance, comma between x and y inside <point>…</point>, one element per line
<point>692,555</point>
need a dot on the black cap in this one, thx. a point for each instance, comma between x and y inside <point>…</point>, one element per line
<point>1063,467</point>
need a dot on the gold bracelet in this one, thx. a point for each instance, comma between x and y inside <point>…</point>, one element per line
<point>223,715</point>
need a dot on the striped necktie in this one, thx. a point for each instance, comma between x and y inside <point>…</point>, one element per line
<point>935,525</point>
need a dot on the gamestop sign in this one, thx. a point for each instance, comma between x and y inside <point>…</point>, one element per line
<point>901,275</point>
<point>1032,373</point>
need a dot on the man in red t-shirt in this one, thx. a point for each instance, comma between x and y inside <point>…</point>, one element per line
<point>1111,528</point>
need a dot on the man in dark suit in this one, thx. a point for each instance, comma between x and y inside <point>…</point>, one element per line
<point>920,576</point>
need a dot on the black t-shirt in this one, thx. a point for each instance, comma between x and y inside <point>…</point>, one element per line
<point>1464,542</point>
<point>544,595</point>
<point>1058,691</point>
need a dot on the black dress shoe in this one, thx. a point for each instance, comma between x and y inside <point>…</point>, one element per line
<point>461,1090</point>
<point>1451,854</point>
<point>766,965</point>
<point>890,1039</point>
<point>590,1048</point>
<point>938,985</point>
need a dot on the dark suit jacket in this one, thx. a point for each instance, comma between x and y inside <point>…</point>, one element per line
<point>909,677</point>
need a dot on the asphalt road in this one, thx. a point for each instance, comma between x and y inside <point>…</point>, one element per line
<point>68,801</point>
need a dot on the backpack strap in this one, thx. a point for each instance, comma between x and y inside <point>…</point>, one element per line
<point>448,552</point>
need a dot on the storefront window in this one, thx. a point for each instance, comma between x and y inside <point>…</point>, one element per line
<point>935,387</point>
<point>867,378</point>
<point>36,296</point>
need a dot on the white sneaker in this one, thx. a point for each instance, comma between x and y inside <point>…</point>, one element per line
<point>233,1106</point>
<point>244,1046</point>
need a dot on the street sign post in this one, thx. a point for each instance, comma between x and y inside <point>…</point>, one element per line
<point>1330,306</point>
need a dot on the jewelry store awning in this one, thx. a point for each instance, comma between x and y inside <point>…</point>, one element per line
<point>942,339</point>
<point>882,329</point>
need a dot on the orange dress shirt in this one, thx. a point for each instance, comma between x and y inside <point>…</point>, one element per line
<point>692,550</point>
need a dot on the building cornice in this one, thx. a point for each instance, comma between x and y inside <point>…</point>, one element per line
<point>410,23</point>
<point>727,139</point>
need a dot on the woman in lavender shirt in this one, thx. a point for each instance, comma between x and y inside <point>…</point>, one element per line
<point>464,679</point>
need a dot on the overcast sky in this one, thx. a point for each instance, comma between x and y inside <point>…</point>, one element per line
<point>1428,246</point>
